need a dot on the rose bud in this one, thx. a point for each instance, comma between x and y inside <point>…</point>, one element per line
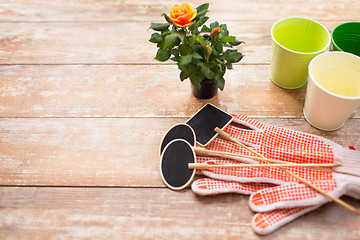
<point>215,31</point>
<point>208,49</point>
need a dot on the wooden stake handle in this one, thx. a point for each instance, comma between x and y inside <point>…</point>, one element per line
<point>204,151</point>
<point>337,200</point>
<point>204,166</point>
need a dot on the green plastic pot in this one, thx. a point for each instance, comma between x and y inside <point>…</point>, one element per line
<point>346,38</point>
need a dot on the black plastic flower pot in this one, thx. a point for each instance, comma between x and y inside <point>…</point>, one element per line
<point>208,89</point>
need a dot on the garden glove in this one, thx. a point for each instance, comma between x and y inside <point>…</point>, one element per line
<point>286,145</point>
<point>267,222</point>
<point>262,223</point>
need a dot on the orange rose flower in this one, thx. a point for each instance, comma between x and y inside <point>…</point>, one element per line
<point>182,15</point>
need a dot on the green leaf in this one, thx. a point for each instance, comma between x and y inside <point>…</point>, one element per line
<point>197,56</point>
<point>219,47</point>
<point>155,38</point>
<point>232,56</point>
<point>195,31</point>
<point>202,9</point>
<point>211,65</point>
<point>192,68</point>
<point>236,42</point>
<point>162,55</point>
<point>192,27</point>
<point>185,60</point>
<point>219,81</point>
<point>175,53</point>
<point>191,40</point>
<point>214,25</point>
<point>181,35</point>
<point>214,52</point>
<point>228,39</point>
<point>205,29</point>
<point>224,33</point>
<point>201,13</point>
<point>185,49</point>
<point>201,40</point>
<point>170,40</point>
<point>196,80</point>
<point>182,68</point>
<point>201,21</point>
<point>228,65</point>
<point>159,26</point>
<point>207,37</point>
<point>184,75</point>
<point>223,27</point>
<point>205,70</point>
<point>167,18</point>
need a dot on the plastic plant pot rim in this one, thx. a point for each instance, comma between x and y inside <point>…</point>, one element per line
<point>303,18</point>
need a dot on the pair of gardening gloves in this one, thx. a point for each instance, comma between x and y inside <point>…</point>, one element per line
<point>275,196</point>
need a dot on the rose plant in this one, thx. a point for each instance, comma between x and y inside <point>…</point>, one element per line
<point>201,52</point>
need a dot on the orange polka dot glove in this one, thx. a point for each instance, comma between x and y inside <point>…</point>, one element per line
<point>280,204</point>
<point>263,222</point>
<point>268,221</point>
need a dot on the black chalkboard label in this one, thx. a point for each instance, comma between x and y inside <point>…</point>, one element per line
<point>206,120</point>
<point>174,169</point>
<point>179,131</point>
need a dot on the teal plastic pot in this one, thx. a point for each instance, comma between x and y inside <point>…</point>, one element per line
<point>346,38</point>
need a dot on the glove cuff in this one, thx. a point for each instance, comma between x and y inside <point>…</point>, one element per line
<point>350,159</point>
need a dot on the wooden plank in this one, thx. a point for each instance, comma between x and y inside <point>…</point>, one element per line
<point>136,91</point>
<point>104,151</point>
<point>80,152</point>
<point>104,42</point>
<point>142,10</point>
<point>136,213</point>
<point>112,42</point>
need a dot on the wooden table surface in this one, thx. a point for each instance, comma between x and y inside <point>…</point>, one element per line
<point>84,106</point>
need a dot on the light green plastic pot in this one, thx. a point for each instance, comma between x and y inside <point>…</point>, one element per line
<point>295,42</point>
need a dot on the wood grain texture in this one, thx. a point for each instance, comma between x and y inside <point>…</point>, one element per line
<point>148,91</point>
<point>112,42</point>
<point>121,152</point>
<point>104,42</point>
<point>143,10</point>
<point>123,213</point>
